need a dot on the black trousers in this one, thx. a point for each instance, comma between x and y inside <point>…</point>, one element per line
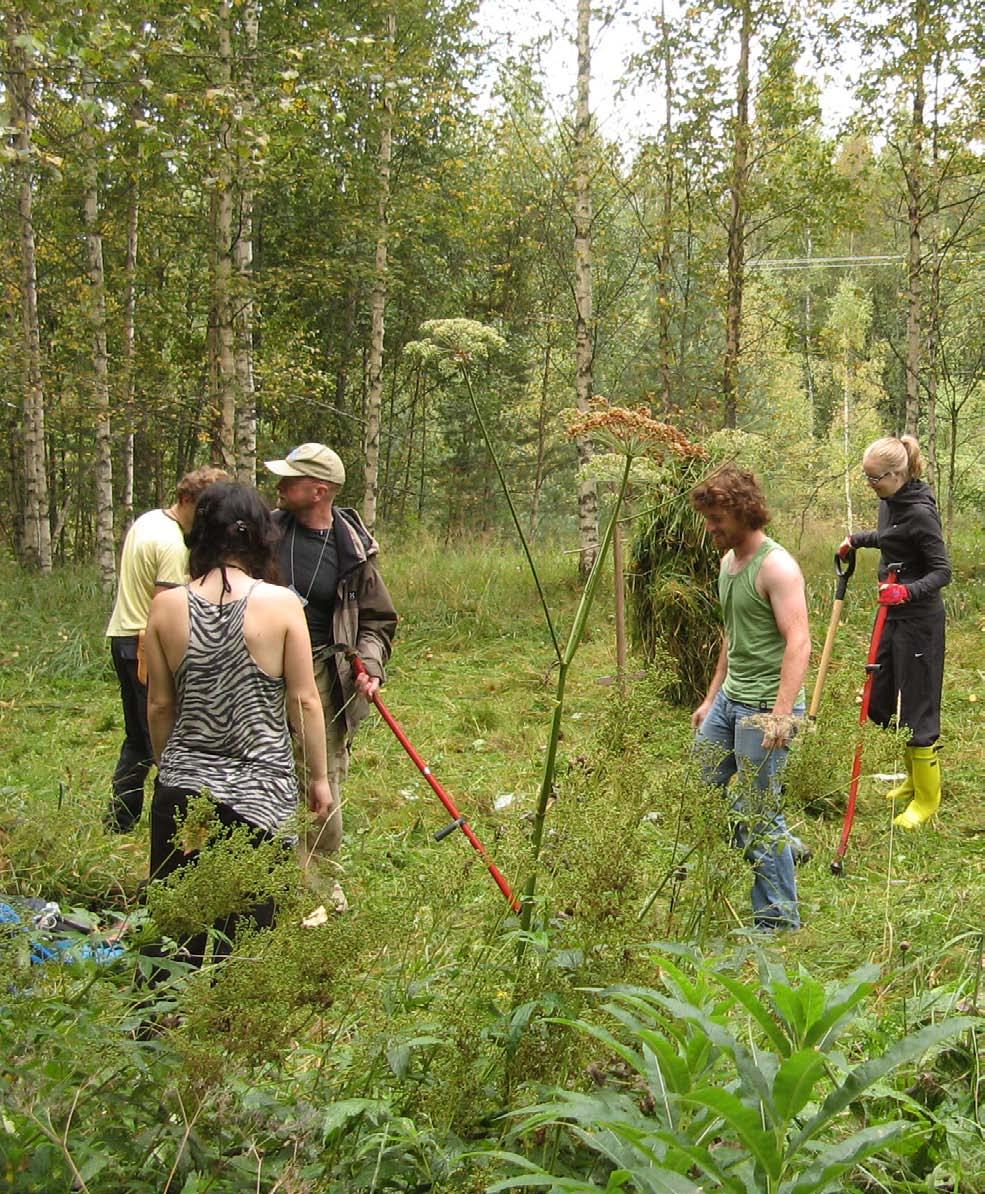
<point>136,753</point>
<point>910,674</point>
<point>170,804</point>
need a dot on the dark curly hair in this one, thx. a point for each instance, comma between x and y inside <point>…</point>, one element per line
<point>734,489</point>
<point>232,526</point>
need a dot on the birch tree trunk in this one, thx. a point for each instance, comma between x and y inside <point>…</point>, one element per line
<point>36,542</point>
<point>936,264</point>
<point>542,427</point>
<point>664,302</point>
<point>588,519</point>
<point>914,215</point>
<point>105,544</point>
<point>808,336</point>
<point>130,346</point>
<point>243,314</point>
<point>374,364</point>
<point>737,225</point>
<point>223,303</point>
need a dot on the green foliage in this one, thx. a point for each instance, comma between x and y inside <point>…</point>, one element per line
<point>672,575</point>
<point>230,875</point>
<point>777,1107</point>
<point>398,1042</point>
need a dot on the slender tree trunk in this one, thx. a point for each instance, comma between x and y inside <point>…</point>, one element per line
<point>212,336</point>
<point>422,474</point>
<point>36,543</point>
<point>374,365</point>
<point>808,338</point>
<point>936,263</point>
<point>541,430</point>
<point>411,432</point>
<point>914,214</point>
<point>130,346</point>
<point>105,544</point>
<point>243,313</point>
<point>737,224</point>
<point>846,445</point>
<point>588,518</point>
<point>952,468</point>
<point>664,301</point>
<point>225,333</point>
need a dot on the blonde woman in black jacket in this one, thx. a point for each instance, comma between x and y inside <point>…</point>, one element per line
<point>910,664</point>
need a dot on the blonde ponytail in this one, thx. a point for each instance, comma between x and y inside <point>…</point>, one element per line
<point>914,460</point>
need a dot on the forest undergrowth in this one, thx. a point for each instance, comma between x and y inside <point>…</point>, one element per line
<point>419,1040</point>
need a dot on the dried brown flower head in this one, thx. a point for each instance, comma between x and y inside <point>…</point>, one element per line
<point>631,431</point>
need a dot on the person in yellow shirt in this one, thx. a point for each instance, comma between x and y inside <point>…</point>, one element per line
<point>154,558</point>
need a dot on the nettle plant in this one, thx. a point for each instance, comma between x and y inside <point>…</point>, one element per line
<point>452,347</point>
<point>737,1085</point>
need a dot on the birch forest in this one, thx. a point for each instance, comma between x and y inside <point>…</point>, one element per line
<point>222,222</point>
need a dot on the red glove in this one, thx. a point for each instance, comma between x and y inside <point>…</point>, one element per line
<point>845,550</point>
<point>893,594</point>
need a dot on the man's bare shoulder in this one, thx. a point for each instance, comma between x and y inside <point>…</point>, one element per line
<point>780,567</point>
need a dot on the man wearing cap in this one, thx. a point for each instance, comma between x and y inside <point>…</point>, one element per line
<point>327,557</point>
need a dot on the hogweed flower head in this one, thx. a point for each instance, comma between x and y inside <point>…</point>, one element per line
<point>630,431</point>
<point>452,344</point>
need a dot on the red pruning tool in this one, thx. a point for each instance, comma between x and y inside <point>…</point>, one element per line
<point>871,667</point>
<point>458,821</point>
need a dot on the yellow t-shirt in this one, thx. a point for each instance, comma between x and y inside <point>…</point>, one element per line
<point>154,553</point>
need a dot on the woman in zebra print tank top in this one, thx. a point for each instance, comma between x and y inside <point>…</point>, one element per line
<point>229,663</point>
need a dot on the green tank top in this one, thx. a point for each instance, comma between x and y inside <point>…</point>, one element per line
<point>755,645</point>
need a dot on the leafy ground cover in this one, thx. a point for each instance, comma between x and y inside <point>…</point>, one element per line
<point>402,1045</point>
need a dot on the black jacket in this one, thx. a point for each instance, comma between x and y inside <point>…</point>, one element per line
<point>910,535</point>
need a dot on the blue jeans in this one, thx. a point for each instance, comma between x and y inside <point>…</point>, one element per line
<point>728,745</point>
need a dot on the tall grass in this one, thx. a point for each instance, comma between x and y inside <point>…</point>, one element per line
<point>383,1048</point>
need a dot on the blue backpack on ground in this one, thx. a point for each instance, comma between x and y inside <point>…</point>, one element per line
<point>54,936</point>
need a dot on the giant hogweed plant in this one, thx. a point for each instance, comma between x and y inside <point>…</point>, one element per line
<point>452,348</point>
<point>724,1085</point>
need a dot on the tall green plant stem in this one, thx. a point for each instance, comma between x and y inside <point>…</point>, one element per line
<point>570,650</point>
<point>516,520</point>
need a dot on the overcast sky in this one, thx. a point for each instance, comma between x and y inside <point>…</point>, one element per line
<point>510,24</point>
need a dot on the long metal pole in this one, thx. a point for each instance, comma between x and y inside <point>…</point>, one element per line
<point>871,667</point>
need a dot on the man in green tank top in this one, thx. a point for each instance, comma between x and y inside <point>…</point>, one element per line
<point>747,719</point>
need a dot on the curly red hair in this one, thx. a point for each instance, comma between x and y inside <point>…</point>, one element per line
<point>734,489</point>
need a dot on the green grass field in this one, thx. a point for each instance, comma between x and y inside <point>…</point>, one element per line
<point>409,1014</point>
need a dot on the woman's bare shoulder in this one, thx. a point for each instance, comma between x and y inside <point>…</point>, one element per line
<point>276,596</point>
<point>169,599</point>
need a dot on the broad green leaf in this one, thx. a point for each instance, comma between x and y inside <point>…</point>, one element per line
<point>839,1158</point>
<point>761,1014</point>
<point>795,1081</point>
<point>338,1115</point>
<point>632,1149</point>
<point>749,1072</point>
<point>824,1031</point>
<point>398,1059</point>
<point>746,1122</point>
<point>864,1076</point>
<point>789,1006</point>
<point>629,1055</point>
<point>673,1071</point>
<point>704,1159</point>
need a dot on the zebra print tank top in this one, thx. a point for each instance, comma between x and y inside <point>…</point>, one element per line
<point>230,736</point>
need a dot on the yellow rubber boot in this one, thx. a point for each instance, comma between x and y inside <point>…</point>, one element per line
<point>926,787</point>
<point>904,789</point>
